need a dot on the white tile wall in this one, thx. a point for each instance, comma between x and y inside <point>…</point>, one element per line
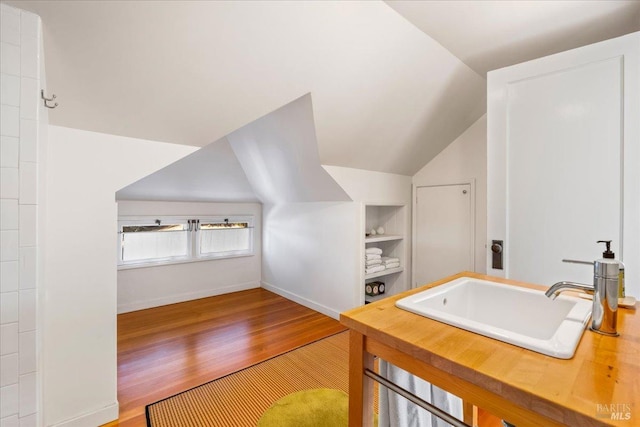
<point>28,99</point>
<point>8,369</point>
<point>27,394</point>
<point>9,307</point>
<point>27,351</point>
<point>10,120</point>
<point>28,183</point>
<point>9,338</point>
<point>27,310</point>
<point>11,421</point>
<point>9,90</point>
<point>9,183</point>
<point>29,25</point>
<point>9,25</point>
<point>9,403</point>
<point>9,59</point>
<point>28,421</point>
<point>9,245</point>
<point>28,140</point>
<point>20,47</point>
<point>27,225</point>
<point>27,269</point>
<point>9,276</point>
<point>9,151</point>
<point>29,57</point>
<point>9,214</point>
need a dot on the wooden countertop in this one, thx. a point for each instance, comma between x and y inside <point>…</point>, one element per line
<point>602,378</point>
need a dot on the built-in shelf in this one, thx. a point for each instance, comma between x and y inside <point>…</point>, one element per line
<point>375,298</point>
<point>394,219</point>
<point>384,273</point>
<point>382,238</point>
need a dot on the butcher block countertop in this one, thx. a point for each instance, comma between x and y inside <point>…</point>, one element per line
<point>600,385</point>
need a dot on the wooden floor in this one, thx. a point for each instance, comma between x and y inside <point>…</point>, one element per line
<point>165,350</point>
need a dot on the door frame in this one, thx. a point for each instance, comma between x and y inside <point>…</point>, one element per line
<point>471,182</point>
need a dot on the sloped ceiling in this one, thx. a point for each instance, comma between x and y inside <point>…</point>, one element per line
<point>386,96</point>
<point>279,155</point>
<point>272,160</point>
<point>388,92</point>
<point>487,35</point>
<point>209,174</point>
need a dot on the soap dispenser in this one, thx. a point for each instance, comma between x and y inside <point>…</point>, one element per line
<point>609,256</point>
<point>604,316</point>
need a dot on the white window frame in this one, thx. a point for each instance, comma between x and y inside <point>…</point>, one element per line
<point>193,239</point>
<point>221,219</point>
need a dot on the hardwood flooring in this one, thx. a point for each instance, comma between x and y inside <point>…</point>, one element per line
<point>165,350</point>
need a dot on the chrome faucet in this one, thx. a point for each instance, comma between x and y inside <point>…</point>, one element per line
<point>604,314</point>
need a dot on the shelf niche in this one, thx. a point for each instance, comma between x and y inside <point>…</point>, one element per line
<point>394,220</point>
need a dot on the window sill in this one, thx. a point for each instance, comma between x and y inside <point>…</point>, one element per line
<point>181,261</point>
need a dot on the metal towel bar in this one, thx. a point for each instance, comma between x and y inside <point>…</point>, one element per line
<point>415,399</point>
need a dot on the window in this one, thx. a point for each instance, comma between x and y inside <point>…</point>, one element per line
<point>167,240</point>
<point>224,238</point>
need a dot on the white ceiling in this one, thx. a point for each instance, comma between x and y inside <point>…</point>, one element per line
<point>487,35</point>
<point>388,93</point>
<point>272,160</point>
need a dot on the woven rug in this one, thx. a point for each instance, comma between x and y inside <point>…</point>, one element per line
<point>240,399</point>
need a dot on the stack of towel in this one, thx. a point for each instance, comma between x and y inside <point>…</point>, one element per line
<point>390,262</point>
<point>373,261</point>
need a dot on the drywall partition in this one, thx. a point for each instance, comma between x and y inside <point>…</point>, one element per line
<point>140,288</point>
<point>464,161</point>
<point>84,170</point>
<point>212,173</point>
<point>279,155</point>
<point>311,254</point>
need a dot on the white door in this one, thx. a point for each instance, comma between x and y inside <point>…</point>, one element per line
<point>556,151</point>
<point>444,232</point>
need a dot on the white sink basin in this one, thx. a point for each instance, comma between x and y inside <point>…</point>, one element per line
<point>516,315</point>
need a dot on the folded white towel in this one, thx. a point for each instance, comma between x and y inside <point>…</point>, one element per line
<point>390,260</point>
<point>373,256</point>
<point>374,269</point>
<point>376,251</point>
<point>392,265</point>
<point>371,262</point>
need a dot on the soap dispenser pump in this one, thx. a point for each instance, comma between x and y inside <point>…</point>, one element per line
<point>605,297</point>
<point>610,257</point>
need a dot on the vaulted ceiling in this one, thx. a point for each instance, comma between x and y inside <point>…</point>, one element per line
<point>392,83</point>
<point>491,34</point>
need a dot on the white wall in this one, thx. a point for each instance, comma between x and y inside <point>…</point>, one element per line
<point>313,252</point>
<point>211,174</point>
<point>464,160</point>
<point>140,288</point>
<point>21,206</point>
<point>279,155</point>
<point>84,171</point>
<point>372,187</point>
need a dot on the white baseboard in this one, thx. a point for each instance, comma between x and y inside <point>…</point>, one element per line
<point>95,418</point>
<point>172,299</point>
<point>301,300</point>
